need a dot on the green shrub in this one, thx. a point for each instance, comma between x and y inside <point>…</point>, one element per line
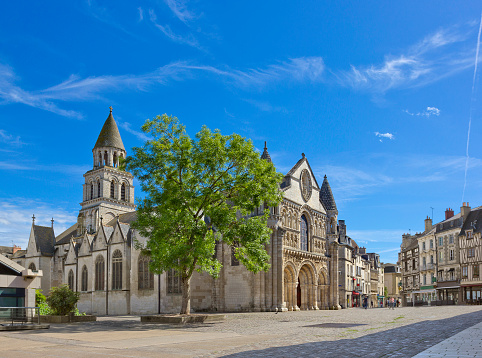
<point>39,297</point>
<point>44,309</point>
<point>62,300</point>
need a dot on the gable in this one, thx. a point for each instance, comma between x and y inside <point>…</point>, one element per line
<point>84,249</point>
<point>100,242</point>
<point>32,245</point>
<point>117,236</point>
<point>71,255</point>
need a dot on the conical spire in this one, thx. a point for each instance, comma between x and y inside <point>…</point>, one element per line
<point>109,135</point>
<point>265,154</point>
<point>326,195</point>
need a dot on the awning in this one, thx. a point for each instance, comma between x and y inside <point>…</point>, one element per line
<point>425,291</point>
<point>447,288</point>
<point>355,293</point>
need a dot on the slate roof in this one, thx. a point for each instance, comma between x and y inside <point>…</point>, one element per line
<point>326,195</point>
<point>451,223</point>
<point>265,154</point>
<point>388,269</point>
<point>45,239</point>
<point>126,218</point>
<point>109,135</point>
<point>64,238</point>
<point>473,222</point>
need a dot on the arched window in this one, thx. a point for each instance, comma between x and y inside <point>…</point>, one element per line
<point>99,273</point>
<point>123,192</point>
<point>114,164</point>
<point>71,280</point>
<point>117,270</point>
<point>32,267</point>
<point>145,276</point>
<point>304,233</point>
<point>106,159</point>
<point>85,277</point>
<point>91,191</point>
<point>173,282</point>
<point>100,159</point>
<point>112,189</point>
<point>98,188</point>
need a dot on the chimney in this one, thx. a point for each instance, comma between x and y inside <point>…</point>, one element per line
<point>465,210</point>
<point>448,213</point>
<point>428,223</point>
<point>362,250</point>
<point>16,248</point>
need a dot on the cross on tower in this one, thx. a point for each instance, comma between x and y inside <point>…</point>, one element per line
<point>33,218</point>
<point>110,109</point>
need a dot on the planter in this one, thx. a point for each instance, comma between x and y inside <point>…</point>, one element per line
<point>67,319</point>
<point>183,319</point>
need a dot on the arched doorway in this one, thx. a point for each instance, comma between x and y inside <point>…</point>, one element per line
<point>306,288</point>
<point>289,289</point>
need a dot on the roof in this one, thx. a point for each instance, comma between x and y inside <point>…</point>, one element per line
<point>266,155</point>
<point>64,238</point>
<point>11,266</point>
<point>454,222</point>
<point>126,218</point>
<point>473,222</point>
<point>297,165</point>
<point>45,239</point>
<point>109,135</point>
<point>326,195</point>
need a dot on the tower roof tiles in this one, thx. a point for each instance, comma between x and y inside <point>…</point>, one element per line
<point>109,135</point>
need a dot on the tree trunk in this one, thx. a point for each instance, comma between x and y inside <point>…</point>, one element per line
<point>186,294</point>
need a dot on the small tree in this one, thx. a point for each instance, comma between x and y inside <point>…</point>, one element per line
<point>385,291</point>
<point>195,187</point>
<point>62,300</point>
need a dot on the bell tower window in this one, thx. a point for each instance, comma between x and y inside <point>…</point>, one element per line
<point>112,189</point>
<point>98,189</point>
<point>114,164</point>
<point>106,159</point>
<point>123,192</point>
<point>91,191</point>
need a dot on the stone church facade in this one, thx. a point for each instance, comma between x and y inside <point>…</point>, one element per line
<point>97,256</point>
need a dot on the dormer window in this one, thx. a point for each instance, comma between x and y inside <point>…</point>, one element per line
<point>470,234</point>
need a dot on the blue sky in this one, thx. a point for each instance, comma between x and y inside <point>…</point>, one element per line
<point>377,95</point>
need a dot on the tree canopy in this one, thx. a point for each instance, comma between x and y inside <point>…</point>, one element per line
<point>198,191</point>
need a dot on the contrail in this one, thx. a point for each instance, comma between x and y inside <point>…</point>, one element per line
<point>472,106</point>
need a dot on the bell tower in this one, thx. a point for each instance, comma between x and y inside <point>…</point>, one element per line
<point>108,191</point>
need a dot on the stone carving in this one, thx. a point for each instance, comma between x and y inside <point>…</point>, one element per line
<point>305,183</point>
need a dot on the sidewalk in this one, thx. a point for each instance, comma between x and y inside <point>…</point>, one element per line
<point>467,343</point>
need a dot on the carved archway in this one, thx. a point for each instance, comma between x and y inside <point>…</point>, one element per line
<point>307,287</point>
<point>289,289</point>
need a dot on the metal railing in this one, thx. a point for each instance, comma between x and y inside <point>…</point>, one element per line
<point>20,315</point>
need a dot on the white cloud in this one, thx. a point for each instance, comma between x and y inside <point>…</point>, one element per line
<point>179,8</point>
<point>436,56</point>
<point>16,219</point>
<point>430,111</point>
<point>9,138</point>
<point>166,30</point>
<point>141,13</point>
<point>385,135</point>
<point>140,135</point>
<point>76,88</point>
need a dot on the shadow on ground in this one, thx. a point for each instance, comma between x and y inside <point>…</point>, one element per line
<point>405,341</point>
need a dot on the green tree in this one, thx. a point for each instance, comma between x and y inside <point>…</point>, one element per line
<point>62,300</point>
<point>199,190</point>
<point>385,292</point>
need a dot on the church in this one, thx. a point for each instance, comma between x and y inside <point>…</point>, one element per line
<point>97,257</point>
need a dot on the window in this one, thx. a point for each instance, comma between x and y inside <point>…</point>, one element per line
<point>431,259</point>
<point>431,244</point>
<point>85,277</point>
<point>432,278</point>
<point>452,275</point>
<point>304,233</point>
<point>173,282</point>
<point>424,279</point>
<point>414,264</point>
<point>112,189</point>
<point>440,241</point>
<point>451,239</point>
<point>123,192</point>
<point>114,164</point>
<point>106,162</point>
<point>100,159</point>
<point>145,278</point>
<point>32,267</point>
<point>423,246</point>
<point>475,271</point>
<point>464,271</point>
<point>98,189</point>
<point>117,270</point>
<point>452,254</point>
<point>471,252</point>
<point>70,280</point>
<point>424,260</point>
<point>234,260</point>
<point>91,191</point>
<point>470,234</point>
<point>99,273</point>
<point>441,256</point>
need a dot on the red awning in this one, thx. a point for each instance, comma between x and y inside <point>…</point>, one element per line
<point>355,293</point>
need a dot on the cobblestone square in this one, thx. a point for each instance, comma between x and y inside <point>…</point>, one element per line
<point>379,332</point>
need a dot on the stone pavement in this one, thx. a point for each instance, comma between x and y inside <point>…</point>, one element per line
<point>467,343</point>
<point>403,332</point>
